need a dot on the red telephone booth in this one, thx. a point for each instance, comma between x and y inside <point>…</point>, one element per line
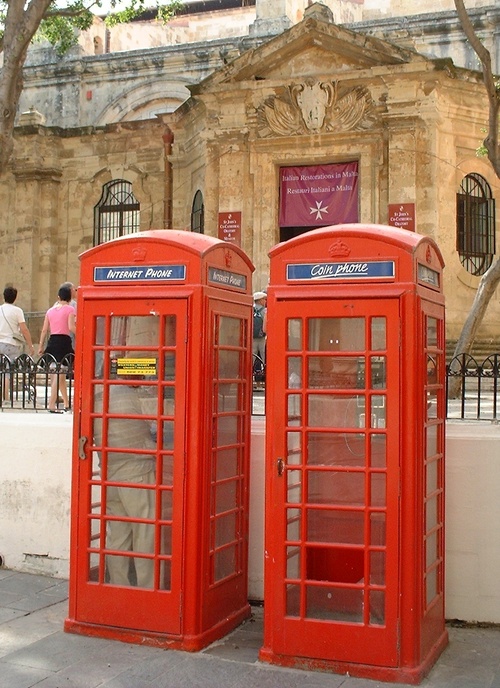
<point>354,565</point>
<point>159,521</point>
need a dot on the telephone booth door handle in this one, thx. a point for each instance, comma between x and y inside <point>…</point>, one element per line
<point>280,466</point>
<point>82,441</point>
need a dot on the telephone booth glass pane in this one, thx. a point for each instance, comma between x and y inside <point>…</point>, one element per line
<point>326,410</point>
<point>294,338</point>
<point>294,493</point>
<point>377,411</point>
<point>336,334</point>
<point>432,440</point>
<point>327,449</point>
<point>294,376</point>
<point>432,332</point>
<point>377,567</point>
<point>378,451</point>
<point>378,372</point>
<point>294,450</point>
<point>378,334</point>
<point>294,408</point>
<point>294,522</point>
<point>338,373</point>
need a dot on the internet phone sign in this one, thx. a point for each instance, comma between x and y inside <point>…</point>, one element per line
<point>377,269</point>
<point>142,273</point>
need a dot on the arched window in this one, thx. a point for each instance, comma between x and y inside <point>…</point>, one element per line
<point>117,213</point>
<point>198,214</point>
<point>475,224</point>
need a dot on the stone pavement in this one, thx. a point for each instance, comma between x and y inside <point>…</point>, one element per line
<point>35,651</point>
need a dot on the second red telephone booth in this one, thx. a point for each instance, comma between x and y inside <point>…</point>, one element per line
<point>354,566</point>
<point>159,521</point>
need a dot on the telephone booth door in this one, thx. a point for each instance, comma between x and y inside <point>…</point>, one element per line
<point>333,551</point>
<point>131,470</point>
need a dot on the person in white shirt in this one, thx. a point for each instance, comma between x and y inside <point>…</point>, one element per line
<point>13,327</point>
<point>13,331</point>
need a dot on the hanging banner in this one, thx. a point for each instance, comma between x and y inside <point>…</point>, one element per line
<point>319,195</point>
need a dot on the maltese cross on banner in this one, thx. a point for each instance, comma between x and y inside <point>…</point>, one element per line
<point>318,210</point>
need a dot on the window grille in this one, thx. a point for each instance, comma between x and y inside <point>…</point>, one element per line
<point>117,213</point>
<point>475,224</point>
<point>198,214</point>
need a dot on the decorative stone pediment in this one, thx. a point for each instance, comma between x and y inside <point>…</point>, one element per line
<point>309,48</point>
<point>313,107</point>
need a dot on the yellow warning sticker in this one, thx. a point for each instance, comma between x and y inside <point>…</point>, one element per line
<point>134,366</point>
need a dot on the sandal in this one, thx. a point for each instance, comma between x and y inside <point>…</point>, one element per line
<point>55,411</point>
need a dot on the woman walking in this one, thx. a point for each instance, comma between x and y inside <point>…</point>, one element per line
<point>60,323</point>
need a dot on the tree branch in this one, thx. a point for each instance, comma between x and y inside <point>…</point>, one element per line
<point>491,141</point>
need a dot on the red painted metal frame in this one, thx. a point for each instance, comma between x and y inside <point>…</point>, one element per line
<point>200,612</point>
<point>418,630</point>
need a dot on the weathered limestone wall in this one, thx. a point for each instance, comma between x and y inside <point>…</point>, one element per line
<point>461,129</point>
<point>375,8</point>
<point>47,201</point>
<point>149,66</point>
<point>93,91</point>
<point>187,28</point>
<point>433,29</point>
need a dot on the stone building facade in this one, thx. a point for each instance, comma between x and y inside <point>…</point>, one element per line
<point>135,71</point>
<point>195,132</point>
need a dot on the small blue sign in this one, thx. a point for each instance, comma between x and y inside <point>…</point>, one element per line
<point>347,270</point>
<point>227,279</point>
<point>139,273</point>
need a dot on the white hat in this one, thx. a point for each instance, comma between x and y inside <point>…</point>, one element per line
<point>259,295</point>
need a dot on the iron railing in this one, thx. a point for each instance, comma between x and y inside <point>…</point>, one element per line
<point>472,388</point>
<point>25,383</point>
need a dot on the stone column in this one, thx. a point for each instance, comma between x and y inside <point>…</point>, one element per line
<point>37,233</point>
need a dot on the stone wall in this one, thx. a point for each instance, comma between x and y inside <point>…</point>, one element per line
<point>149,67</point>
<point>47,200</point>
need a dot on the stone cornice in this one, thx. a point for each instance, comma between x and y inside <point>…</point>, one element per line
<point>427,22</point>
<point>36,173</point>
<point>118,62</point>
<point>113,128</point>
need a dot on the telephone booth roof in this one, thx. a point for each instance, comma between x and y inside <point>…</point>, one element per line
<point>141,257</point>
<point>401,255</point>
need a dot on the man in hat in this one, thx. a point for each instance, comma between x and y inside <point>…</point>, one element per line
<point>259,335</point>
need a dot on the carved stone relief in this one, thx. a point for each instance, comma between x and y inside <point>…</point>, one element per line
<point>312,107</point>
